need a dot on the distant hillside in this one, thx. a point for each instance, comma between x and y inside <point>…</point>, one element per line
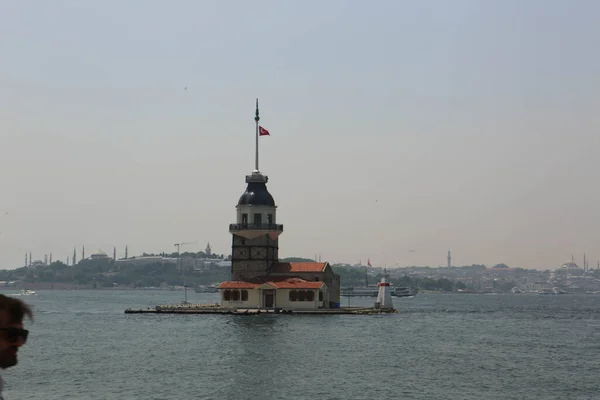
<point>105,273</point>
<point>296,259</point>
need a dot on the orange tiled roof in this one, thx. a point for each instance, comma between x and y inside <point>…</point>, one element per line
<point>294,267</point>
<point>238,285</point>
<point>276,282</point>
<point>295,283</point>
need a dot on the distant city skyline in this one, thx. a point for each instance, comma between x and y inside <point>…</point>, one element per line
<point>394,126</point>
<point>48,258</point>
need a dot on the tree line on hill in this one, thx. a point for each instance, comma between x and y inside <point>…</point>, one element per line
<point>106,273</point>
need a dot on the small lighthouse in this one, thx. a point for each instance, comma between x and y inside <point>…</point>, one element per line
<point>384,296</point>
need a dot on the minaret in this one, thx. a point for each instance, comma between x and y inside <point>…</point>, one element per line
<point>208,250</point>
<point>29,258</point>
<point>46,259</point>
<point>74,257</point>
<point>82,253</point>
<point>449,259</point>
<point>50,258</point>
<point>255,243</point>
<point>25,260</point>
<point>126,252</point>
<point>114,253</point>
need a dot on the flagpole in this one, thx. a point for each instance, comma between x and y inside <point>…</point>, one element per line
<point>256,119</point>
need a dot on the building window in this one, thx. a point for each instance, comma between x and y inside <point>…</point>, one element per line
<point>270,219</point>
<point>227,295</point>
<point>244,219</point>
<point>316,279</point>
<point>244,295</point>
<point>304,295</point>
<point>257,219</point>
<point>235,296</point>
<point>320,295</point>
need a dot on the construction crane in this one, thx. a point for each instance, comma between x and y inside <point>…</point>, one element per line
<point>183,244</point>
<point>178,245</point>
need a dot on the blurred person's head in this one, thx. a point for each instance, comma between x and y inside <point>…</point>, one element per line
<point>12,334</point>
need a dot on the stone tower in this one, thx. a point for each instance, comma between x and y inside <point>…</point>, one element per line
<point>255,244</point>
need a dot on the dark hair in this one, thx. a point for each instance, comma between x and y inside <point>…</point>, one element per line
<point>15,309</point>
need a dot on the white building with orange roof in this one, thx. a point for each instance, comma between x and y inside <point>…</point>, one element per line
<point>258,279</point>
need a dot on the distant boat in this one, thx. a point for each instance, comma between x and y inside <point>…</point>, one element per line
<point>554,290</point>
<point>516,290</point>
<point>206,289</point>
<point>27,292</point>
<point>372,291</point>
<point>404,292</point>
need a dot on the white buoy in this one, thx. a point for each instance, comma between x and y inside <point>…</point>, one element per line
<point>384,296</point>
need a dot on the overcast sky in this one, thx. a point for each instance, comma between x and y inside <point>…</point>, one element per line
<point>395,126</point>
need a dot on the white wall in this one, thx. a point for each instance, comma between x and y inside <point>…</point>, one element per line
<point>253,299</point>
<point>283,301</point>
<point>251,210</point>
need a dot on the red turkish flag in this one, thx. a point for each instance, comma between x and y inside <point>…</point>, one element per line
<point>263,132</point>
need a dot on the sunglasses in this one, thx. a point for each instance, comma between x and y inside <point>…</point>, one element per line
<point>14,334</point>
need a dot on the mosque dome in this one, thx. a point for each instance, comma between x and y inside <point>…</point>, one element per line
<point>569,265</point>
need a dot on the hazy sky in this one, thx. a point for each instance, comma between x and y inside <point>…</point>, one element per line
<point>395,125</point>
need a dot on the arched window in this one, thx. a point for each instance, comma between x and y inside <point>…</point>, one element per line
<point>301,295</point>
<point>235,295</point>
<point>293,295</point>
<point>227,295</point>
<point>320,295</point>
<point>310,295</point>
<point>244,295</point>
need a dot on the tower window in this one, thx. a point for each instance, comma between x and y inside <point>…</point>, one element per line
<point>244,219</point>
<point>257,219</point>
<point>270,219</point>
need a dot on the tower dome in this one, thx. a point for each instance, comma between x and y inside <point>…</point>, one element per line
<point>256,194</point>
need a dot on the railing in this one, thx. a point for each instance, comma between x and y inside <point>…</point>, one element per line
<point>257,177</point>
<point>266,227</point>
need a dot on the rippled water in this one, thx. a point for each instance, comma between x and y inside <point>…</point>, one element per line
<point>82,346</point>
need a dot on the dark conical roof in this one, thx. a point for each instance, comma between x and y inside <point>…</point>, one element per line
<point>256,194</point>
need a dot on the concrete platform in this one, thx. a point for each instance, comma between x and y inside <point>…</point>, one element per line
<point>216,309</point>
